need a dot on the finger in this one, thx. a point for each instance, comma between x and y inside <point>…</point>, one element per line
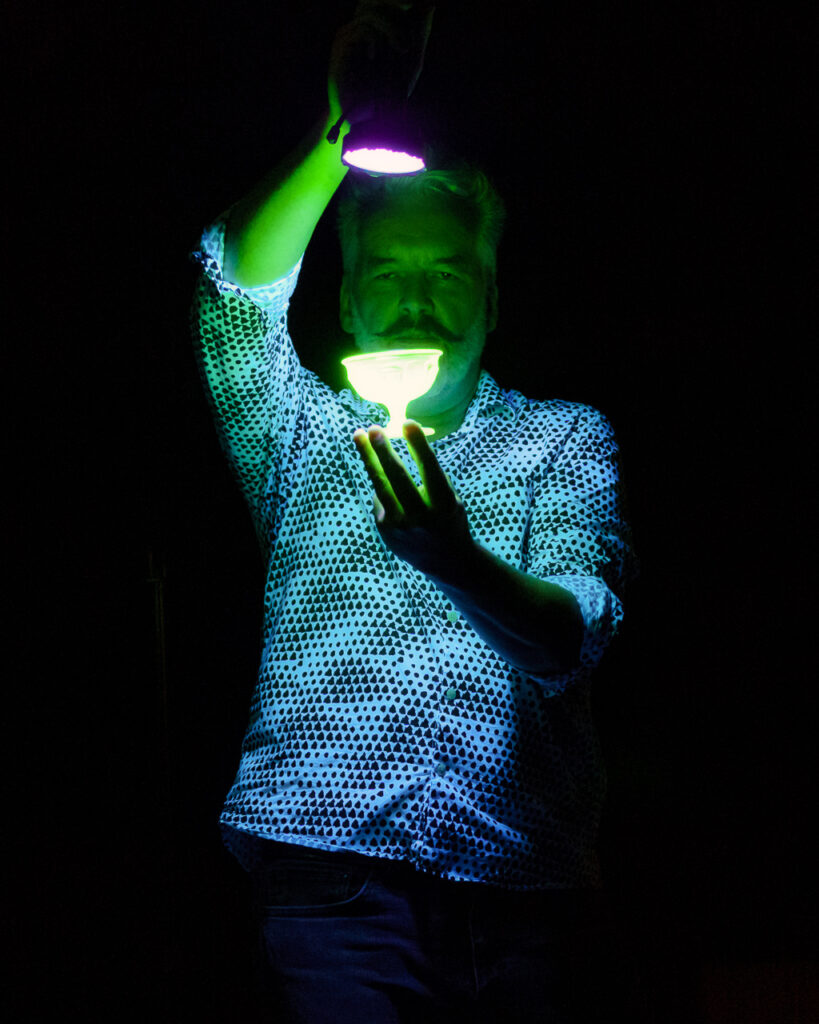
<point>383,490</point>
<point>404,487</point>
<point>436,483</point>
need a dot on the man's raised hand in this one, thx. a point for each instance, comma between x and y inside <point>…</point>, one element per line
<point>377,56</point>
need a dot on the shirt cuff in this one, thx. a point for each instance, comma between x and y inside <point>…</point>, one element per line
<point>211,257</point>
<point>602,614</point>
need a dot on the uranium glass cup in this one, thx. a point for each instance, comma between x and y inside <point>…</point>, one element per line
<point>394,378</point>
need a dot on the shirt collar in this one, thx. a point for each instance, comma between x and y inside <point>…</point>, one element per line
<point>489,400</point>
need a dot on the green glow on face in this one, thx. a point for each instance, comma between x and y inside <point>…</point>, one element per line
<point>394,378</point>
<point>383,161</point>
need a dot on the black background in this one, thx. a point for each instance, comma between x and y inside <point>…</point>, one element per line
<point>650,158</point>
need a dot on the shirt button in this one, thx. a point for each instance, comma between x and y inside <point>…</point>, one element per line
<point>440,769</point>
<point>453,616</point>
<point>451,694</point>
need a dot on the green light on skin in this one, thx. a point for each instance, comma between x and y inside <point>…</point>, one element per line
<point>394,378</point>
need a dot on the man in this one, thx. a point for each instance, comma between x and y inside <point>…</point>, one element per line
<point>419,785</point>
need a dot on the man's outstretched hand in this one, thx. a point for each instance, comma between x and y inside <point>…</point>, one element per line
<point>534,624</point>
<point>427,525</point>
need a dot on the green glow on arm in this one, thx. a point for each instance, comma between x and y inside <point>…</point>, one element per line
<point>270,228</point>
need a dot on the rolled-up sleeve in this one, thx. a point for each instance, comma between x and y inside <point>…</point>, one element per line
<point>248,365</point>
<point>579,538</point>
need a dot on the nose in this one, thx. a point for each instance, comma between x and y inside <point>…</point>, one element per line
<point>415,296</point>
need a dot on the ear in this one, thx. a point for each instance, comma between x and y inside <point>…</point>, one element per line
<point>345,306</point>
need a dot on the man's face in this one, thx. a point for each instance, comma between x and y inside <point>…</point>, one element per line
<point>419,283</point>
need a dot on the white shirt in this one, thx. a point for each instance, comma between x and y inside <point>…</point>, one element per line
<point>381,722</point>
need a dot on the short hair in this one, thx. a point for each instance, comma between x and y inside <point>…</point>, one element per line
<point>472,192</point>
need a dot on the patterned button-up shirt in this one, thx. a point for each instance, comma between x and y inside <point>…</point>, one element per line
<point>381,723</point>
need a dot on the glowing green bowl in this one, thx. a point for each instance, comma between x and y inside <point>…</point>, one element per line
<point>394,378</point>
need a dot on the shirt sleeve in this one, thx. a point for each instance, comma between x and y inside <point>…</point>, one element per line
<point>249,367</point>
<point>579,537</point>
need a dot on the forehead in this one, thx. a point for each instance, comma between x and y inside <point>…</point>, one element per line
<point>418,222</point>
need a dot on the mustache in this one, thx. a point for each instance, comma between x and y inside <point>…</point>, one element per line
<point>426,326</point>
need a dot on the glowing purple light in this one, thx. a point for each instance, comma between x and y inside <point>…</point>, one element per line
<point>383,161</point>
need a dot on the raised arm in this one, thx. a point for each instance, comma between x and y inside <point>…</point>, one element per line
<point>270,228</point>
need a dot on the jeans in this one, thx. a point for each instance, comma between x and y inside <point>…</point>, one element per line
<point>350,938</point>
